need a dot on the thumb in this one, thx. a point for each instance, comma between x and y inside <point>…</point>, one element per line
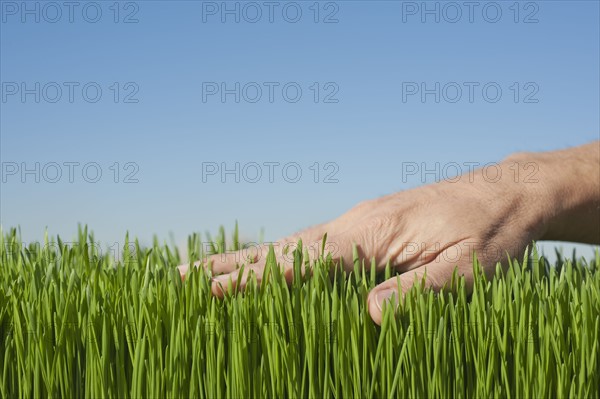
<point>437,274</point>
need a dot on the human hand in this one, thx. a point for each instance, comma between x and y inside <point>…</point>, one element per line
<point>427,231</point>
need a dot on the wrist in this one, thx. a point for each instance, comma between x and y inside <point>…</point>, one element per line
<point>564,192</point>
<point>529,180</point>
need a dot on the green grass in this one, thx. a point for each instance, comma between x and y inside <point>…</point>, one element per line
<point>77,324</point>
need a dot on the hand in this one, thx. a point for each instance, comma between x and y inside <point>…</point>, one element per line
<point>427,231</point>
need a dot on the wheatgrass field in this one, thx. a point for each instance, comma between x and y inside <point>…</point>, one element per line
<point>78,323</point>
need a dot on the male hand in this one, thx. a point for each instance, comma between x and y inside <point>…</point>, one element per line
<point>430,230</point>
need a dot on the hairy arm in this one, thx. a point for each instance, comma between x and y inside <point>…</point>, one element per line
<point>572,189</point>
<point>429,231</point>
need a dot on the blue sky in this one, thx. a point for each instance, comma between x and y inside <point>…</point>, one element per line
<point>159,118</point>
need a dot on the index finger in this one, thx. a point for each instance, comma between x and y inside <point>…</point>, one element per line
<point>228,262</point>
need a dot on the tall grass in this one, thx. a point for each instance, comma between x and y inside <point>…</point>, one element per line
<point>75,323</point>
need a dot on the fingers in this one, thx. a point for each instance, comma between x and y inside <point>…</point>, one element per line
<point>436,273</point>
<point>239,278</point>
<point>221,263</point>
<point>230,261</point>
<point>284,260</point>
<point>312,236</point>
<point>220,284</point>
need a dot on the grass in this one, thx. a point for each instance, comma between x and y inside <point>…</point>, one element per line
<point>75,323</point>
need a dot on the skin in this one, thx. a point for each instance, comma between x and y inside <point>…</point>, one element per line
<point>430,230</point>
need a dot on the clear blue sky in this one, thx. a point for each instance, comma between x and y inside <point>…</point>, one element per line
<point>162,120</point>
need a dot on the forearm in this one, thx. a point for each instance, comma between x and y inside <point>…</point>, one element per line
<point>568,189</point>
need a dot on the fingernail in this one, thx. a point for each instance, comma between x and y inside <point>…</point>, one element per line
<point>382,296</point>
<point>219,284</point>
<point>223,281</point>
